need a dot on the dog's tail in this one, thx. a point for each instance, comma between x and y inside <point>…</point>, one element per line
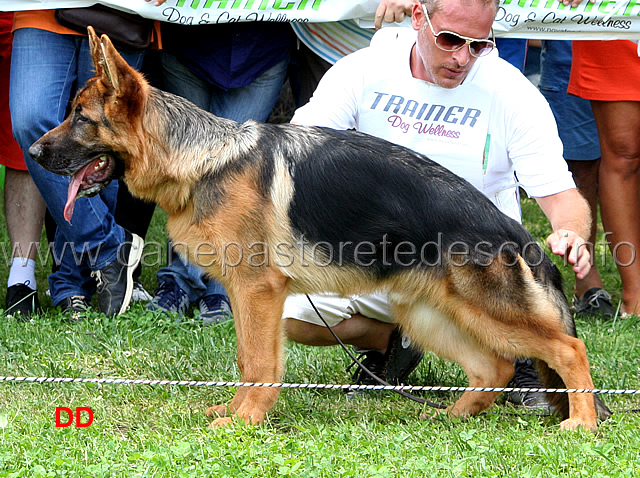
<point>548,274</point>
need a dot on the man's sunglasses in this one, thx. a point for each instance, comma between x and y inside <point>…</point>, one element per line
<point>450,41</point>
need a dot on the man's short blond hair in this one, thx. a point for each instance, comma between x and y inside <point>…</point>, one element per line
<point>433,6</point>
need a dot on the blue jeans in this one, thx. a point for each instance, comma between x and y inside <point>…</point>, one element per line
<point>513,50</point>
<point>576,125</point>
<point>254,101</point>
<point>46,70</point>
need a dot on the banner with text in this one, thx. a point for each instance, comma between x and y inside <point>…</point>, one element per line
<point>546,19</point>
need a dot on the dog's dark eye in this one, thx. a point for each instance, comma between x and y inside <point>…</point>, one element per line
<point>78,116</point>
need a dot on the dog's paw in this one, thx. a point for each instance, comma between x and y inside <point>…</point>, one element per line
<point>575,423</point>
<point>220,411</point>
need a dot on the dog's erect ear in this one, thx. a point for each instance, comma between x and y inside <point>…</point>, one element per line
<point>110,66</point>
<point>94,48</point>
<point>121,80</point>
<point>109,63</point>
<point>99,58</point>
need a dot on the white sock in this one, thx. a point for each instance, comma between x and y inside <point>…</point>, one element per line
<point>23,271</point>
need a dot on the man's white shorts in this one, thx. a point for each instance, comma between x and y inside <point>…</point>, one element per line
<point>335,308</point>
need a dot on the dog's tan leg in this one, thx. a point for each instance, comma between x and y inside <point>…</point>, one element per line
<point>483,370</point>
<point>540,335</point>
<point>568,357</point>
<point>258,314</point>
<point>436,332</point>
<point>532,320</point>
<point>565,354</point>
<point>228,409</point>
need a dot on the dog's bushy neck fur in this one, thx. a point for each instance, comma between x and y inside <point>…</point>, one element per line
<point>185,143</point>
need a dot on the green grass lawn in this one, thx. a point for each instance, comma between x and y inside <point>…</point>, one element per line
<point>162,431</point>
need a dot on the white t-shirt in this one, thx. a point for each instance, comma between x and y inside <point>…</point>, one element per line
<point>496,130</point>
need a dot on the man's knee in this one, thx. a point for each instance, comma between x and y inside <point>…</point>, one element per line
<point>28,126</point>
<point>302,332</point>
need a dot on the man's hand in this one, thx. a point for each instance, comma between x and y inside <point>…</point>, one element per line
<point>157,3</point>
<point>573,248</point>
<point>393,11</point>
<point>574,3</point>
<point>570,219</point>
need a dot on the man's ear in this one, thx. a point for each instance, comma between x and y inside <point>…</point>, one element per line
<point>417,16</point>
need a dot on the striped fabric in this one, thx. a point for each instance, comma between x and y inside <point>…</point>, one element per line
<point>333,40</point>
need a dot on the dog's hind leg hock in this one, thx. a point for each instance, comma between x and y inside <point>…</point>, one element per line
<point>257,310</point>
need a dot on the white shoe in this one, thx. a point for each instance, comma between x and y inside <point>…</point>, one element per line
<point>139,293</point>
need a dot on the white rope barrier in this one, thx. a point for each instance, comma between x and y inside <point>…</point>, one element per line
<point>412,388</point>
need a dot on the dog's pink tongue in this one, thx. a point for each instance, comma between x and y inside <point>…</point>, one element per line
<point>74,186</point>
<point>71,197</point>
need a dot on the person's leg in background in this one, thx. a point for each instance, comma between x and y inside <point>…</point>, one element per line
<point>23,205</point>
<point>579,135</point>
<point>619,179</point>
<point>181,283</point>
<point>365,322</point>
<point>305,72</point>
<point>46,68</point>
<point>133,214</point>
<point>24,211</point>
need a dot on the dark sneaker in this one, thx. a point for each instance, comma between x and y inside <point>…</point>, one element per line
<point>394,366</point>
<point>169,298</point>
<point>402,358</point>
<point>139,293</point>
<point>595,302</point>
<point>75,307</point>
<point>22,300</point>
<point>214,308</point>
<point>374,361</point>
<point>115,281</point>
<point>526,376</point>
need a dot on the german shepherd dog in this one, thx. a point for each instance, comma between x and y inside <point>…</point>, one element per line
<point>464,280</point>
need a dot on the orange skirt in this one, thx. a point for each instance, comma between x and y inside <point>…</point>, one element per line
<point>605,70</point>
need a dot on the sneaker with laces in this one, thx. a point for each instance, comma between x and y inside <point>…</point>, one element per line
<point>75,307</point>
<point>526,376</point>
<point>214,308</point>
<point>22,300</point>
<point>139,293</point>
<point>595,302</point>
<point>115,280</point>
<point>169,298</point>
<point>394,366</point>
